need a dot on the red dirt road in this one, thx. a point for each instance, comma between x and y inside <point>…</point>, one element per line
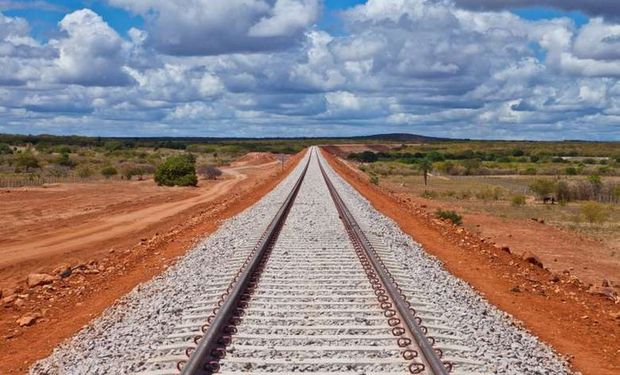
<point>122,252</point>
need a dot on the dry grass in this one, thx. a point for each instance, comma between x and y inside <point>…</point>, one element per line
<point>494,195</point>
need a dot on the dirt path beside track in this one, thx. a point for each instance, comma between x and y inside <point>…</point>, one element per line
<point>115,238</point>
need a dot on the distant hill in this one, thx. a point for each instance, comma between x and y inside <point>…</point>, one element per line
<point>399,137</point>
<point>95,140</point>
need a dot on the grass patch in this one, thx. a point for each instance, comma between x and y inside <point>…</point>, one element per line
<point>449,215</point>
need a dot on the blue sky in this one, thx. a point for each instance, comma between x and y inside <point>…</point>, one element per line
<point>461,68</point>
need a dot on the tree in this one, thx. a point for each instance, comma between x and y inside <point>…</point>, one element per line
<point>177,170</point>
<point>210,172</point>
<point>425,166</point>
<point>26,160</point>
<point>471,166</point>
<point>542,187</point>
<point>64,160</point>
<point>109,171</point>
<point>5,149</point>
<point>367,157</point>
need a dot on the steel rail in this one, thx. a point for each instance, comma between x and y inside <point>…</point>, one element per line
<point>199,360</point>
<point>436,365</point>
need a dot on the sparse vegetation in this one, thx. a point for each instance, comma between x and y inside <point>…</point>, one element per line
<point>374,179</point>
<point>594,212</point>
<point>450,215</point>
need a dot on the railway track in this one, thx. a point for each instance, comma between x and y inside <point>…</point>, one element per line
<point>318,293</point>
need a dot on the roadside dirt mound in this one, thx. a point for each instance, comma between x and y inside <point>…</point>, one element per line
<point>254,158</point>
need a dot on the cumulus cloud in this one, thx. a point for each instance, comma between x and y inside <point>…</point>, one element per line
<point>213,27</point>
<point>92,54</point>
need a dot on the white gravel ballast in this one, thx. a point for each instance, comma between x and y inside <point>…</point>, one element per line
<point>475,336</point>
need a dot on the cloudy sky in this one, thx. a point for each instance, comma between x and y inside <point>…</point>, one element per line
<point>520,69</point>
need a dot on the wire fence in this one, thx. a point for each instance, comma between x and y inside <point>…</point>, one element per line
<point>36,180</point>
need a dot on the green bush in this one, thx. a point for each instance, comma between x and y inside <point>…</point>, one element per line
<point>108,171</point>
<point>542,187</point>
<point>5,149</point>
<point>177,170</point>
<point>518,200</point>
<point>374,179</point>
<point>26,160</point>
<point>64,160</point>
<point>571,171</point>
<point>449,215</point>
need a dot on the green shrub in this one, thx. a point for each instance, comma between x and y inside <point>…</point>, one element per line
<point>26,160</point>
<point>374,179</point>
<point>109,171</point>
<point>5,149</point>
<point>177,170</point>
<point>571,171</point>
<point>64,160</point>
<point>449,215</point>
<point>518,200</point>
<point>542,187</point>
<point>594,212</point>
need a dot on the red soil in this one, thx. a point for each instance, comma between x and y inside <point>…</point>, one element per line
<point>583,327</point>
<point>122,238</point>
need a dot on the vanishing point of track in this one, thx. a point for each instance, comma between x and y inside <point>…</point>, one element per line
<point>313,295</point>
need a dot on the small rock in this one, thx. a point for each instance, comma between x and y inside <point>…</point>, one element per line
<point>533,259</point>
<point>506,249</point>
<point>63,270</point>
<point>28,320</point>
<point>516,289</point>
<point>615,315</point>
<point>19,302</point>
<point>8,300</point>
<point>606,283</point>
<point>35,279</point>
<point>555,278</point>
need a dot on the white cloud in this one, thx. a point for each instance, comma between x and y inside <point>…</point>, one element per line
<point>93,53</point>
<point>213,27</point>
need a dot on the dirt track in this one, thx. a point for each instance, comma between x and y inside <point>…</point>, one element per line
<point>78,222</point>
<point>115,260</point>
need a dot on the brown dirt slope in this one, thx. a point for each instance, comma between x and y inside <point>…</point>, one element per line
<point>557,308</point>
<point>68,304</point>
<point>254,158</point>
